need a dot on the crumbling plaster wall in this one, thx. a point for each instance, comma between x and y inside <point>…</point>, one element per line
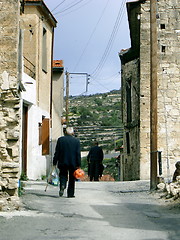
<point>9,104</point>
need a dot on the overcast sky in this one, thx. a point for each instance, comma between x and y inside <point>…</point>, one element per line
<point>88,38</point>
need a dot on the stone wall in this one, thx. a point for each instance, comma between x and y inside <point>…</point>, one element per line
<point>168,29</point>
<point>130,161</point>
<point>145,92</point>
<point>168,38</point>
<point>169,83</point>
<point>9,104</point>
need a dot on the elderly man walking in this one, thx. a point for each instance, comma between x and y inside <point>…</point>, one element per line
<point>67,157</point>
<point>95,158</point>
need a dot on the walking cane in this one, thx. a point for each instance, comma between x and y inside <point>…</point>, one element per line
<point>49,177</point>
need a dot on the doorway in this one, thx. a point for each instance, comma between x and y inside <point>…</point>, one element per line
<point>24,138</point>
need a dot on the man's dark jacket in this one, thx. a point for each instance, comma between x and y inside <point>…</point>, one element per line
<point>95,155</point>
<point>67,152</point>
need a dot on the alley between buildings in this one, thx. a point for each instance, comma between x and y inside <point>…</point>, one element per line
<point>100,210</point>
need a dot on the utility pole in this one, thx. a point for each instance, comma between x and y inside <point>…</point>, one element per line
<point>153,94</point>
<point>87,78</point>
<point>67,98</point>
<point>87,81</point>
<point>67,91</point>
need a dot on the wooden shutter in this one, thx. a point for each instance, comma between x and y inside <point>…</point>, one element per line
<point>45,136</point>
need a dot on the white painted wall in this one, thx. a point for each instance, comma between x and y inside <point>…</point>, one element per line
<point>36,163</point>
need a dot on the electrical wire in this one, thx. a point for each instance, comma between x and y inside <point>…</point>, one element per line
<point>109,45</point>
<point>62,10</point>
<point>87,44</point>
<point>111,40</point>
<point>73,5</point>
<point>102,85</point>
<point>58,5</point>
<point>112,76</point>
<point>62,15</point>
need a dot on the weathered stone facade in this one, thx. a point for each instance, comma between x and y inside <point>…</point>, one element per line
<point>169,83</point>
<point>168,29</point>
<point>9,103</point>
<point>130,86</point>
<point>145,91</point>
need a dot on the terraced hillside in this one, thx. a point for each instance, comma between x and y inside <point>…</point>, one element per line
<point>97,117</point>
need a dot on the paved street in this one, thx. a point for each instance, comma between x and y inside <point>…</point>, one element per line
<point>100,210</point>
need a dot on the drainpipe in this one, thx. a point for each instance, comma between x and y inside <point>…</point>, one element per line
<point>51,91</point>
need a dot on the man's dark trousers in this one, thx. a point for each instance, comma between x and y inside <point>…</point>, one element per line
<point>63,177</point>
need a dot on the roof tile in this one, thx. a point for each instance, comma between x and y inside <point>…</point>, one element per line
<point>58,63</point>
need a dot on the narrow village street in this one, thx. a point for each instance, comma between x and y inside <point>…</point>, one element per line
<point>100,210</point>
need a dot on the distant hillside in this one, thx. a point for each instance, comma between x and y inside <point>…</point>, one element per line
<point>97,117</point>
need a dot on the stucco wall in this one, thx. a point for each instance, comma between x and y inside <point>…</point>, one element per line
<point>36,163</point>
<point>32,23</point>
<point>36,27</point>
<point>58,97</point>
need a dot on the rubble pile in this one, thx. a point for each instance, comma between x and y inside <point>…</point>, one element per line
<point>171,190</point>
<point>8,203</point>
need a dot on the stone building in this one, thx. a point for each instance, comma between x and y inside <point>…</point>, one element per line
<point>136,89</point>
<point>27,102</point>
<point>9,102</point>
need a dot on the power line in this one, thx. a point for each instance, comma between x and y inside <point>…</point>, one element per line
<point>109,45</point>
<point>58,5</point>
<point>62,15</point>
<point>111,40</point>
<point>112,76</point>
<point>46,19</point>
<point>91,34</point>
<point>101,84</point>
<point>73,5</point>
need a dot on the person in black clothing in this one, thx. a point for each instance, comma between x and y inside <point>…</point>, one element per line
<point>67,157</point>
<point>95,158</point>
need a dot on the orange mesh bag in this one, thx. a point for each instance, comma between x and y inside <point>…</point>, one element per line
<point>78,173</point>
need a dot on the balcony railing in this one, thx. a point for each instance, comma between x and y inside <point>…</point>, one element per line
<point>29,68</point>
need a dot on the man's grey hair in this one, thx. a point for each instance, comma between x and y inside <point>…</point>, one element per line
<point>70,130</point>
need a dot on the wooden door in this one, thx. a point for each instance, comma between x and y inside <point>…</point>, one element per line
<point>24,139</point>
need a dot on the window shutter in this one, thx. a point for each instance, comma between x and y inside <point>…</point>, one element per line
<point>45,136</point>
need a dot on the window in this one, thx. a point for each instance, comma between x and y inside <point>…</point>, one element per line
<point>128,101</point>
<point>40,133</point>
<point>44,50</point>
<point>128,143</point>
<point>163,49</point>
<point>163,26</point>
